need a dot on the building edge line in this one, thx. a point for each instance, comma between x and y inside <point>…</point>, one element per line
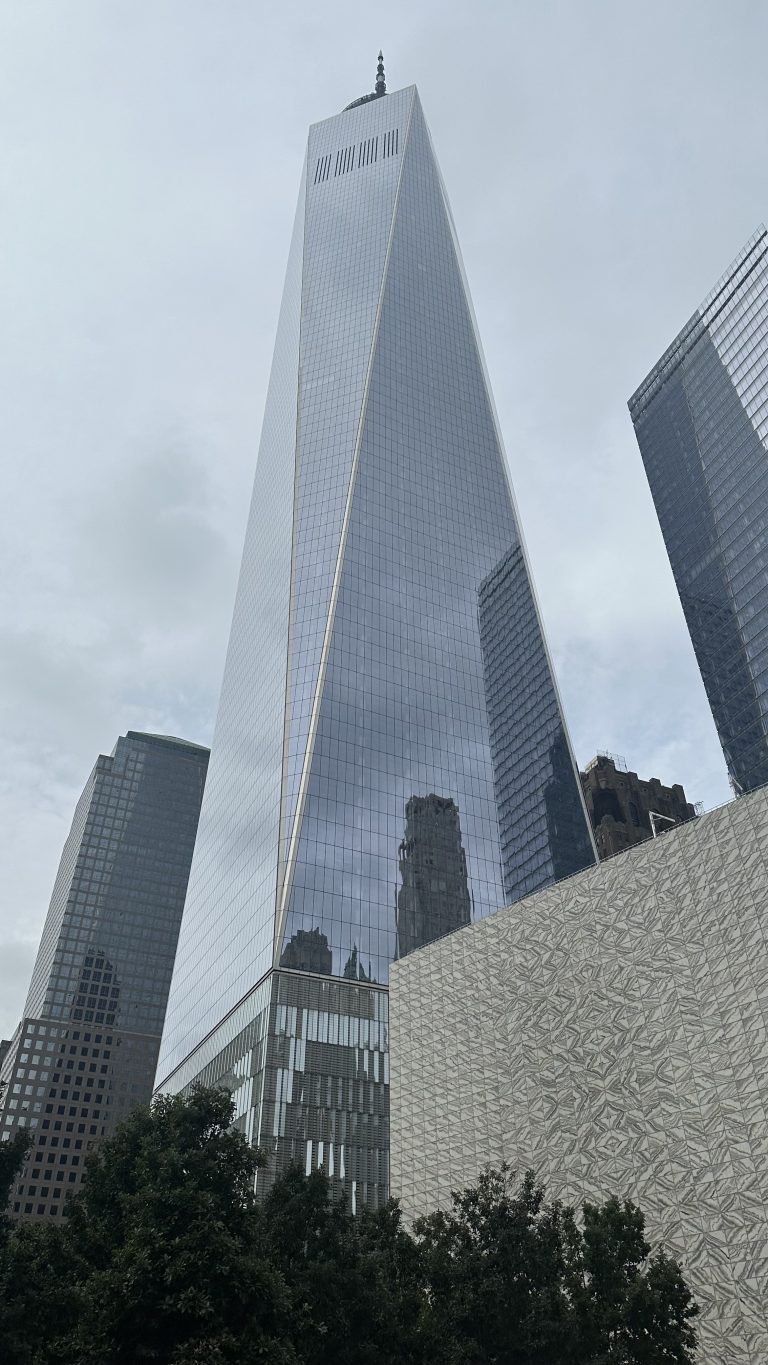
<point>381,986</point>
<point>513,499</point>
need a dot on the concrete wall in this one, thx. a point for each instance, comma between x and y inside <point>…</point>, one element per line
<point>610,1032</point>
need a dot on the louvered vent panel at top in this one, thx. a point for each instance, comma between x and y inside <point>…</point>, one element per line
<point>366,153</point>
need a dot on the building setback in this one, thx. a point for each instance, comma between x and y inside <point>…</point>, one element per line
<point>701,421</point>
<point>611,1032</point>
<point>353,741</point>
<point>86,1049</point>
<point>624,810</point>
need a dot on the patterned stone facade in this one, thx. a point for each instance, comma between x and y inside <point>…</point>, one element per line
<point>610,1032</point>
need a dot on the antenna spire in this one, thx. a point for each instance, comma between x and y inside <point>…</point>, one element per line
<point>381,86</point>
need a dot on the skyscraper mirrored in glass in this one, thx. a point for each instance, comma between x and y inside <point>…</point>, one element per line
<point>701,421</point>
<point>351,806</point>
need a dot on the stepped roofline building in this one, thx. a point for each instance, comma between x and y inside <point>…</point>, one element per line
<point>624,809</point>
<point>86,1049</point>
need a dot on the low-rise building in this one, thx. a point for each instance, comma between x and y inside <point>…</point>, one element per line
<point>611,1032</point>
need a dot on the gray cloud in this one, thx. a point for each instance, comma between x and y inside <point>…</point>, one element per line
<point>147,544</point>
<point>603,170</point>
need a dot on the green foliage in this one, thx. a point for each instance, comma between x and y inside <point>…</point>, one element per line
<point>512,1278</point>
<point>28,1267</point>
<point>167,1257</point>
<point>162,1258</point>
<point>37,1295</point>
<point>354,1281</point>
<point>496,1269</point>
<point>12,1154</point>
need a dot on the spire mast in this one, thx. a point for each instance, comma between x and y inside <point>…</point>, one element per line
<point>380,88</point>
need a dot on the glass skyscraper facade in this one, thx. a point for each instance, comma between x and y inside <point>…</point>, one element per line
<point>86,1049</point>
<point>351,806</point>
<point>701,420</point>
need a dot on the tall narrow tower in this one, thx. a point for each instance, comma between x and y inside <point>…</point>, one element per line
<point>355,682</point>
<point>701,421</point>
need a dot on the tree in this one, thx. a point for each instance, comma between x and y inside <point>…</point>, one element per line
<point>513,1278</point>
<point>162,1249</point>
<point>495,1270</point>
<point>638,1307</point>
<point>166,1256</point>
<point>27,1258</point>
<point>392,1264</point>
<point>37,1299</point>
<point>354,1301</point>
<point>166,1229</point>
<point>12,1156</point>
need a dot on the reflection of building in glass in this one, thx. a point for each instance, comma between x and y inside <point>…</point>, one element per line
<point>308,951</point>
<point>542,821</point>
<point>86,1049</point>
<point>355,671</point>
<point>623,808</point>
<point>354,969</point>
<point>434,897</point>
<point>701,421</point>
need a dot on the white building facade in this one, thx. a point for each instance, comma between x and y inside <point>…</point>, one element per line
<point>610,1032</point>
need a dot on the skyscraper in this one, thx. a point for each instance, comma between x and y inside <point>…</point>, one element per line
<point>86,1049</point>
<point>701,421</point>
<point>354,684</point>
<point>626,810</point>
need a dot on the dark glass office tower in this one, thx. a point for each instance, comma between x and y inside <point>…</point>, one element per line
<point>86,1050</point>
<point>701,420</point>
<point>352,741</point>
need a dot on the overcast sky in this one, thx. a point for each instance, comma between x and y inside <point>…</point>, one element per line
<point>605,162</point>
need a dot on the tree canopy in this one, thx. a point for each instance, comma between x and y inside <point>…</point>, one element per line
<point>167,1256</point>
<point>512,1277</point>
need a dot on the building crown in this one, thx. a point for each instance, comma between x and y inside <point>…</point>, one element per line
<point>379,90</point>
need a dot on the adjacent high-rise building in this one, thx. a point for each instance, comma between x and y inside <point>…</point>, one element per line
<point>384,630</point>
<point>701,420</point>
<point>86,1049</point>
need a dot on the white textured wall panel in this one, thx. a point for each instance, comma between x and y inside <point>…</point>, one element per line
<point>610,1032</point>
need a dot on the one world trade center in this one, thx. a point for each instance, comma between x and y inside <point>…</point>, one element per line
<point>390,759</point>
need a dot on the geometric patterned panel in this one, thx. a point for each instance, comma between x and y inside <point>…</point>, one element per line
<point>612,1033</point>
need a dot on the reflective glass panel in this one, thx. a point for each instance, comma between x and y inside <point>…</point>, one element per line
<point>701,419</point>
